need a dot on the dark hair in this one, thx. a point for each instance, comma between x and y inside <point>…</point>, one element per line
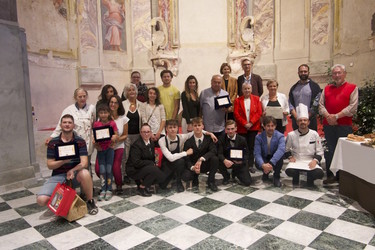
<point>157,100</point>
<point>230,122</point>
<point>196,120</point>
<point>144,125</point>
<point>121,109</point>
<point>171,122</point>
<point>135,72</point>
<point>165,72</point>
<point>269,119</point>
<point>225,65</point>
<point>103,94</point>
<point>67,116</point>
<point>272,81</point>
<point>104,107</point>
<point>304,65</point>
<point>187,90</point>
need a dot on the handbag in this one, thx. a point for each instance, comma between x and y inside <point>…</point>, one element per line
<point>158,157</point>
<point>61,199</point>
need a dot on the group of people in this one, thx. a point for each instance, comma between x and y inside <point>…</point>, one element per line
<point>246,130</point>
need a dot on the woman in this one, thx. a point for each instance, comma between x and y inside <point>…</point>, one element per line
<point>229,84</point>
<point>190,103</point>
<point>153,113</point>
<point>247,112</point>
<point>107,91</point>
<point>118,115</point>
<point>276,99</point>
<point>84,116</point>
<point>132,111</point>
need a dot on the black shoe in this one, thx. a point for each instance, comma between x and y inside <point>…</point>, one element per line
<point>330,180</point>
<point>126,180</point>
<point>119,190</point>
<point>195,182</point>
<point>91,207</point>
<point>310,182</point>
<point>212,186</point>
<point>143,192</point>
<point>276,182</point>
<point>295,181</point>
<point>225,181</point>
<point>252,170</point>
<point>180,187</point>
<point>264,177</point>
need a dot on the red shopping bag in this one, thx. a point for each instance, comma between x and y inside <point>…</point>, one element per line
<point>158,157</point>
<point>61,199</point>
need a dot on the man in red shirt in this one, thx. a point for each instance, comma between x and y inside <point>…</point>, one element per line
<point>338,104</point>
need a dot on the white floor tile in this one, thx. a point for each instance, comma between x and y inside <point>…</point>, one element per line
<point>72,238</point>
<point>137,215</point>
<point>20,238</point>
<point>240,235</point>
<point>35,190</point>
<point>88,219</point>
<point>190,237</point>
<point>306,194</point>
<point>296,233</point>
<point>278,211</point>
<point>324,209</point>
<point>265,195</point>
<point>40,218</point>
<point>369,247</point>
<point>351,231</point>
<point>112,200</point>
<point>22,201</point>
<point>184,214</point>
<point>185,197</point>
<point>225,196</point>
<point>128,237</point>
<point>231,212</point>
<point>8,215</point>
<point>141,201</point>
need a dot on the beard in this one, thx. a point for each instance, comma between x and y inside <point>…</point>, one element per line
<point>303,77</point>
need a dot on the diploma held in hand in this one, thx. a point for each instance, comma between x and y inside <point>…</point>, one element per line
<point>66,151</point>
<point>301,165</point>
<point>275,112</point>
<point>103,133</point>
<point>222,102</point>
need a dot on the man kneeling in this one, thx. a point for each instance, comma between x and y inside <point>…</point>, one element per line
<point>304,150</point>
<point>74,169</point>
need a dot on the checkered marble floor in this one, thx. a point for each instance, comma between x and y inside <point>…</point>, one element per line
<point>235,217</point>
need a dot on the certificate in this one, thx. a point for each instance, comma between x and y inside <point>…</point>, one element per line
<point>103,133</point>
<point>66,151</point>
<point>236,154</point>
<point>275,112</point>
<point>222,102</point>
<point>301,165</point>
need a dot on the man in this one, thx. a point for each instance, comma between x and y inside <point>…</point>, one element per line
<point>141,163</point>
<point>204,157</point>
<point>304,149</point>
<point>169,95</point>
<point>307,92</point>
<point>142,88</point>
<point>171,145</point>
<point>247,112</point>
<point>232,141</point>
<point>74,169</point>
<point>213,119</point>
<point>269,150</point>
<point>255,80</point>
<point>338,104</point>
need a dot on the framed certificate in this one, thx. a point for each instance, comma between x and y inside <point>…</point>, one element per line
<point>103,133</point>
<point>236,154</point>
<point>66,151</point>
<point>275,112</point>
<point>222,102</point>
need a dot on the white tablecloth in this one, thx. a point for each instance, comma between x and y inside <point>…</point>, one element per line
<point>355,159</point>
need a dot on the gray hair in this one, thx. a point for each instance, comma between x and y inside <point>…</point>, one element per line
<point>342,66</point>
<point>128,86</point>
<point>247,83</point>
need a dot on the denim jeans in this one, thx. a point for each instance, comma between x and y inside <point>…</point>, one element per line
<point>105,159</point>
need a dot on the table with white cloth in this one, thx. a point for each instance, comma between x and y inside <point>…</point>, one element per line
<point>357,172</point>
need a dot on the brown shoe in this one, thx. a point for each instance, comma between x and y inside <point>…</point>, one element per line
<point>330,180</point>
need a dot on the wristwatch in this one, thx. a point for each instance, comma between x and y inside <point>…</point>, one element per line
<point>336,116</point>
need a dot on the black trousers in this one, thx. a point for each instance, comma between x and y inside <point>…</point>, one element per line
<point>210,165</point>
<point>250,140</point>
<point>173,168</point>
<point>312,175</point>
<point>240,171</point>
<point>150,174</point>
<point>276,168</point>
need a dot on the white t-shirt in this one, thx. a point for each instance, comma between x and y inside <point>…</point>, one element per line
<point>120,122</point>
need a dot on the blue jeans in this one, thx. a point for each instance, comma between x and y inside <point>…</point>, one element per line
<point>105,160</point>
<point>332,134</point>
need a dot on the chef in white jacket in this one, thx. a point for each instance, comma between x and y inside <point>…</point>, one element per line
<point>304,150</point>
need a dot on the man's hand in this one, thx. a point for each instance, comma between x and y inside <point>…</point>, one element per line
<point>70,175</point>
<point>228,163</point>
<point>213,137</point>
<point>267,168</point>
<point>190,151</point>
<point>197,167</point>
<point>312,164</point>
<point>331,119</point>
<point>292,159</point>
